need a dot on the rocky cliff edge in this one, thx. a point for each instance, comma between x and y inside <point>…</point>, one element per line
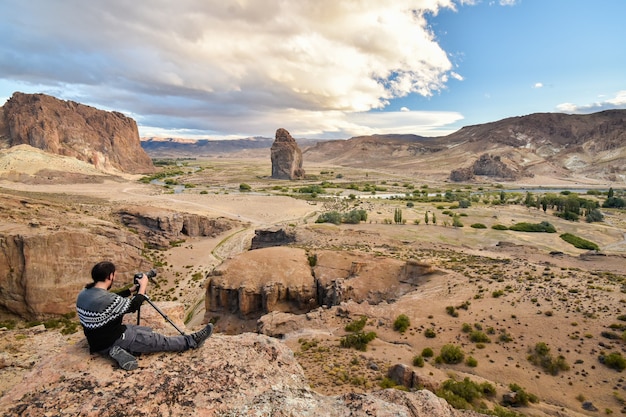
<point>242,375</point>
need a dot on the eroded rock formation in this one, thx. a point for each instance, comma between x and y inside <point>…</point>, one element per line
<point>286,157</point>
<point>486,165</point>
<point>159,227</point>
<point>259,281</point>
<point>275,236</point>
<point>282,279</point>
<point>105,139</point>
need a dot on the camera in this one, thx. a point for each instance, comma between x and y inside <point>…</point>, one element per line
<point>150,274</point>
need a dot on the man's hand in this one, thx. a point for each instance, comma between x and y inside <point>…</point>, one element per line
<point>143,284</point>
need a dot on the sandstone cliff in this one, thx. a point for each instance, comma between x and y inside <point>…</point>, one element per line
<point>240,375</point>
<point>286,157</point>
<point>41,273</point>
<point>159,227</point>
<point>108,140</point>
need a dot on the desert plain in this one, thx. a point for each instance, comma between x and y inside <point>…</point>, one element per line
<point>511,290</point>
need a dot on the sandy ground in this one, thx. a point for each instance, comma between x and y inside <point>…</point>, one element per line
<point>562,300</point>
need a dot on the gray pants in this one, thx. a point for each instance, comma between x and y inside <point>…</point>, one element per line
<point>141,339</point>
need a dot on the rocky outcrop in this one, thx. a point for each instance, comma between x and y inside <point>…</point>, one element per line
<point>486,165</point>
<point>462,175</point>
<point>241,375</point>
<point>286,157</point>
<point>41,272</point>
<point>259,281</point>
<point>274,236</point>
<point>108,140</point>
<point>159,227</point>
<point>281,279</point>
<point>343,276</point>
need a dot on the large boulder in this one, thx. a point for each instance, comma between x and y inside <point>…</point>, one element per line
<point>286,157</point>
<point>108,140</point>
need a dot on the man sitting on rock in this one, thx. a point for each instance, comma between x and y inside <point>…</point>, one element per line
<point>101,311</point>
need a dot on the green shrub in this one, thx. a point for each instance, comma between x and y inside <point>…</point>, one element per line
<point>356,325</point>
<point>8,324</point>
<point>614,360</point>
<point>464,393</point>
<point>402,323</point>
<point>452,311</point>
<point>522,397</point>
<point>358,340</point>
<point>466,328</point>
<point>471,362</point>
<point>451,354</point>
<point>540,356</point>
<point>478,226</point>
<point>418,361</point>
<point>244,187</point>
<point>430,333</point>
<point>579,242</point>
<point>499,227</point>
<point>333,217</point>
<point>479,337</point>
<point>543,227</point>
<point>594,215</point>
<point>427,352</point>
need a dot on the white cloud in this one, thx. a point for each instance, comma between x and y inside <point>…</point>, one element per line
<point>617,102</point>
<point>226,67</point>
<point>538,85</point>
<point>405,109</point>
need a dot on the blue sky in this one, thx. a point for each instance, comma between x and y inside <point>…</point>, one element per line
<point>319,68</point>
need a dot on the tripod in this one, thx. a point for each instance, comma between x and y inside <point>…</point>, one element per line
<point>160,312</point>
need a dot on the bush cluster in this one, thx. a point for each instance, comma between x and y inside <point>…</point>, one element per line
<point>352,217</point>
<point>543,227</point>
<point>540,356</point>
<point>579,242</point>
<point>614,360</point>
<point>450,354</point>
<point>462,394</point>
<point>402,323</point>
<point>358,340</point>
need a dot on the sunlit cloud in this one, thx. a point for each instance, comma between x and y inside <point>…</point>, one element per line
<point>617,102</point>
<point>538,85</point>
<point>226,68</point>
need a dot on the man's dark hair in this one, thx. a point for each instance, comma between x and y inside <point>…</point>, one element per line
<point>100,272</point>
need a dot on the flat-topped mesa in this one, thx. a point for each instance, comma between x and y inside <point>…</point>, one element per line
<point>286,157</point>
<point>108,140</point>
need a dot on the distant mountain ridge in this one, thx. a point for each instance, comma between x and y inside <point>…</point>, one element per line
<point>544,144</point>
<point>179,147</point>
<point>547,144</point>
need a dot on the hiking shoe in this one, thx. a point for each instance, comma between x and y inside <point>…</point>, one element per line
<point>124,359</point>
<point>202,335</point>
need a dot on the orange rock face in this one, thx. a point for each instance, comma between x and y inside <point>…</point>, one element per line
<point>108,140</point>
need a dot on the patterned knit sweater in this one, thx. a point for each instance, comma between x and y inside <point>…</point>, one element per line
<point>101,312</point>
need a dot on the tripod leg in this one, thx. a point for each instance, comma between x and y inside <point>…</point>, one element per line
<point>138,315</point>
<point>164,316</point>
